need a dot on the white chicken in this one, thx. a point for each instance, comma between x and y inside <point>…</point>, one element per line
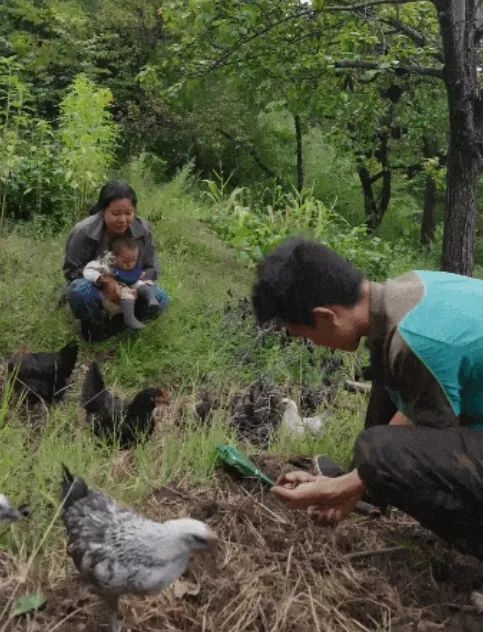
<point>293,423</point>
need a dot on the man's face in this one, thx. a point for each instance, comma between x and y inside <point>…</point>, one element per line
<point>334,327</point>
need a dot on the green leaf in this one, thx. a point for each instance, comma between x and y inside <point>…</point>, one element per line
<point>28,603</point>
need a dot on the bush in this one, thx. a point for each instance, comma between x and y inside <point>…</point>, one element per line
<point>254,229</point>
<point>29,178</point>
<point>89,139</point>
<point>44,171</point>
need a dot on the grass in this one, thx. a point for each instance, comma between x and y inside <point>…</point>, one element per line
<point>198,343</point>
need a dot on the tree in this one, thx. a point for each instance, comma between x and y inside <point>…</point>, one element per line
<point>302,44</point>
<point>461,33</point>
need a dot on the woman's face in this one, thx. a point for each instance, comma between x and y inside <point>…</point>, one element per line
<point>118,216</point>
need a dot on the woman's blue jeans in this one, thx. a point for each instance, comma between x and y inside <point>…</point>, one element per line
<point>85,301</point>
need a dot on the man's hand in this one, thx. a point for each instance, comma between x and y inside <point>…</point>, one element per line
<point>400,420</point>
<point>110,288</point>
<point>293,479</point>
<point>333,498</point>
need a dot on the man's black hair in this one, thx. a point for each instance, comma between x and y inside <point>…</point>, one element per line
<point>112,191</point>
<point>123,241</point>
<point>300,275</point>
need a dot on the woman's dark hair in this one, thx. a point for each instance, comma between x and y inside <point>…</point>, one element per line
<point>300,275</point>
<point>111,191</point>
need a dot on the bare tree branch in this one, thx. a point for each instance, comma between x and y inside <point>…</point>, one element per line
<point>220,61</point>
<point>418,38</point>
<point>223,59</point>
<point>372,65</point>
<point>365,5</point>
<point>250,149</point>
<point>413,34</point>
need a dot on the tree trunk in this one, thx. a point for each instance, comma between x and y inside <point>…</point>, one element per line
<point>300,164</point>
<point>428,219</point>
<point>370,206</point>
<point>385,196</point>
<point>458,21</point>
<point>375,209</point>
<point>250,149</point>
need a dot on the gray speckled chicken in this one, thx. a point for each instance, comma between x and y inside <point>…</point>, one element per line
<point>119,551</point>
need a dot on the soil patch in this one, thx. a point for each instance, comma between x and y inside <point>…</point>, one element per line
<point>276,571</point>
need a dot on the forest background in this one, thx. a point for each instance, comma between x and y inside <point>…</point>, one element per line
<point>359,122</point>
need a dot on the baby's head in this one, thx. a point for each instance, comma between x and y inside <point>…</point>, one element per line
<point>125,250</point>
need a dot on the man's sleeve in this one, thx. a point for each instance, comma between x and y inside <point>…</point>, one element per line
<point>415,390</point>
<point>380,408</point>
<point>150,260</point>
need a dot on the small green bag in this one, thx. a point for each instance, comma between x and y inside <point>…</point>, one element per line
<point>232,456</point>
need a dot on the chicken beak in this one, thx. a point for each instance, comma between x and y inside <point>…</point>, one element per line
<point>212,541</point>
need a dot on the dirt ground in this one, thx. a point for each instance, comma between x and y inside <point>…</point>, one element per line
<point>276,571</point>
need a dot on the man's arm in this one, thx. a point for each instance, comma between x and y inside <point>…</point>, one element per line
<point>400,419</point>
<point>380,407</point>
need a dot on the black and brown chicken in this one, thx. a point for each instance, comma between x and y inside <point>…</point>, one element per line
<point>120,552</point>
<point>44,376</point>
<point>124,422</point>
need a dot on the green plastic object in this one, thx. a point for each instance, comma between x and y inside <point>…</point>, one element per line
<point>232,456</point>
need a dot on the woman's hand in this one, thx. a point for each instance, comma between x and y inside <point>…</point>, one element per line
<point>110,288</point>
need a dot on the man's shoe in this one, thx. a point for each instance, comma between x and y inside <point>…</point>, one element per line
<point>324,466</point>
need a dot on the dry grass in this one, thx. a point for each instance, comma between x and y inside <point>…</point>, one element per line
<point>276,571</point>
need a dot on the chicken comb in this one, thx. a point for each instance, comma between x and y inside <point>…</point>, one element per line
<point>165,395</point>
<point>232,456</point>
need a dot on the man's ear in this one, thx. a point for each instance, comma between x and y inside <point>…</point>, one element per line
<point>323,316</point>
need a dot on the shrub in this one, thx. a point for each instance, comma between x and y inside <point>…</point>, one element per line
<point>29,178</point>
<point>89,138</point>
<point>47,173</point>
<point>255,229</point>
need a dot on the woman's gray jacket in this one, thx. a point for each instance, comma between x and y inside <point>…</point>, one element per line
<point>89,240</point>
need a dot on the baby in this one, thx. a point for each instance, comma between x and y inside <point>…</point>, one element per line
<point>121,264</point>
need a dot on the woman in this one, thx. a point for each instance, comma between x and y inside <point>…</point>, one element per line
<point>113,215</point>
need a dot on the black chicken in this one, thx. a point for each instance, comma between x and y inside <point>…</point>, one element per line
<point>111,418</point>
<point>44,376</point>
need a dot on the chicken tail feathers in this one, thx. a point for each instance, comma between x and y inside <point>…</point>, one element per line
<point>68,358</point>
<point>93,389</point>
<point>73,488</point>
